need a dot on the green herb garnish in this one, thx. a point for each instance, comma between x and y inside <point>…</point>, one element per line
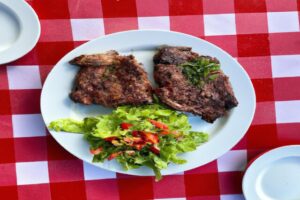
<point>200,70</point>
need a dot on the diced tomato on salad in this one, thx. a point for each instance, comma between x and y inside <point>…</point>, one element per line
<point>114,155</point>
<point>139,146</point>
<point>155,149</point>
<point>125,126</point>
<point>150,137</point>
<point>165,132</point>
<point>158,124</point>
<point>96,151</point>
<point>135,133</point>
<point>137,140</point>
<point>109,139</point>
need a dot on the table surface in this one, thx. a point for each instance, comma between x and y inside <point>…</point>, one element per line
<point>262,34</point>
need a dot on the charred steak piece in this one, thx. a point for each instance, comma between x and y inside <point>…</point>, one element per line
<point>174,55</point>
<point>192,83</point>
<point>111,80</point>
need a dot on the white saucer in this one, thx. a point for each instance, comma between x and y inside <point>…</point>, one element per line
<point>275,175</point>
<point>20,29</point>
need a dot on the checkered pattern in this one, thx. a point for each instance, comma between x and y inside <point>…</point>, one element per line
<point>262,34</point>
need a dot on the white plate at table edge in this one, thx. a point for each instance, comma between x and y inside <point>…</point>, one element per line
<point>225,132</point>
<point>274,175</point>
<point>23,22</point>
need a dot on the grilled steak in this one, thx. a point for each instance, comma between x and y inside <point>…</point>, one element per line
<point>111,80</point>
<point>211,99</point>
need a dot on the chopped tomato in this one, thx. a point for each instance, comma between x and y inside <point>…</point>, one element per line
<point>150,137</point>
<point>158,124</point>
<point>125,126</point>
<point>164,132</point>
<point>96,151</point>
<point>114,155</point>
<point>139,146</point>
<point>167,132</point>
<point>135,133</point>
<point>109,139</point>
<point>128,139</point>
<point>155,149</point>
<point>137,140</point>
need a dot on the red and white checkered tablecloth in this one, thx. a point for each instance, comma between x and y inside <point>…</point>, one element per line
<point>262,34</point>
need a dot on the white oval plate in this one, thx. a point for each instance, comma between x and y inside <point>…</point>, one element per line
<point>20,29</point>
<point>224,133</point>
<point>274,175</point>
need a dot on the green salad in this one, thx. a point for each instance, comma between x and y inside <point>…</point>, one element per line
<point>149,135</point>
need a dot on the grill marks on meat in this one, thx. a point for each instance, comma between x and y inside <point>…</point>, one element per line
<point>110,80</point>
<point>211,101</point>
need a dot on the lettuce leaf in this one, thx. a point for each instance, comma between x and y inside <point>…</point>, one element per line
<point>67,125</point>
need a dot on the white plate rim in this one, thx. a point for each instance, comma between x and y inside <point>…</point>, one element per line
<point>230,143</point>
<point>30,30</point>
<point>264,158</point>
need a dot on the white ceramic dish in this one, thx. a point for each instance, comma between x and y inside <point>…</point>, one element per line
<point>224,133</point>
<point>20,29</point>
<point>274,175</point>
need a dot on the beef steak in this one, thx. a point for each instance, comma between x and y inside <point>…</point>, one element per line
<point>111,80</point>
<point>211,100</point>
